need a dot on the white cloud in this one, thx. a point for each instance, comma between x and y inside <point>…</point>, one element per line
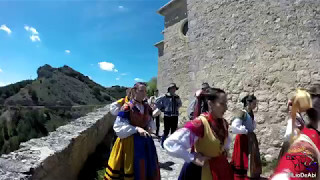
<point>89,77</point>
<point>34,38</point>
<point>117,79</point>
<point>3,84</point>
<point>122,9</point>
<point>106,66</point>
<point>1,70</point>
<point>115,70</point>
<point>67,51</point>
<point>34,33</point>
<point>123,74</point>
<point>5,28</point>
<point>138,79</point>
<point>31,29</point>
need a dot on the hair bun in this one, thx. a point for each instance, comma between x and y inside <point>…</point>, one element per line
<point>302,100</point>
<point>244,100</point>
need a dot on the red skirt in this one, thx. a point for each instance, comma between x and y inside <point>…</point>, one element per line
<point>220,168</point>
<point>246,149</point>
<point>239,160</point>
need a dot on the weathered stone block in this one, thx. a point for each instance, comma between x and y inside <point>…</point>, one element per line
<point>62,154</point>
<point>254,49</point>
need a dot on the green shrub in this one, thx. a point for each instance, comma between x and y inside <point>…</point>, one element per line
<point>96,91</point>
<point>152,86</point>
<point>107,98</point>
<point>53,81</point>
<point>34,96</point>
<point>14,143</point>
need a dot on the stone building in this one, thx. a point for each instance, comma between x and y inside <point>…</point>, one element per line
<point>268,48</point>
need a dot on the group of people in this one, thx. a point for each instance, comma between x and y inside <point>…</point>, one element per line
<point>204,141</point>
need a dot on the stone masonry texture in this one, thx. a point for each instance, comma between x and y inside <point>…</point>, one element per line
<point>268,48</point>
<point>62,154</point>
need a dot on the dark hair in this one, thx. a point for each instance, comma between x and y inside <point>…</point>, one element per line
<point>209,94</point>
<point>139,83</point>
<point>135,87</point>
<point>312,114</point>
<point>314,90</point>
<point>212,94</point>
<point>248,99</point>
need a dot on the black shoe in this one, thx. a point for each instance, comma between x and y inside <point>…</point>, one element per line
<point>162,141</point>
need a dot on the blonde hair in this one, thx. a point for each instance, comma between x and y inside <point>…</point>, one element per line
<point>301,102</point>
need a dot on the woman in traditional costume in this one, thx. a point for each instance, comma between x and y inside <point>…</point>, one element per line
<point>115,109</point>
<point>134,155</point>
<point>300,123</point>
<point>207,136</point>
<point>246,161</point>
<point>301,161</point>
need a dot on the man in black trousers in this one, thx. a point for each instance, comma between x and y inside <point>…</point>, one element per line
<point>169,104</point>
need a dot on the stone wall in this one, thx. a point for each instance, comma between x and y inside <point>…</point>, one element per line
<point>268,48</point>
<point>174,64</point>
<point>62,154</point>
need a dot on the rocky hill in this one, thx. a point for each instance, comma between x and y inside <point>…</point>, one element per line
<point>33,108</point>
<point>60,86</point>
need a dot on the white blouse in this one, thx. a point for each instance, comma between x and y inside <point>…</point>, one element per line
<point>289,130</point>
<point>289,126</point>
<point>237,127</point>
<point>180,142</point>
<point>124,129</point>
<point>115,108</point>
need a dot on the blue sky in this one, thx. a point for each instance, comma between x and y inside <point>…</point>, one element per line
<point>110,41</point>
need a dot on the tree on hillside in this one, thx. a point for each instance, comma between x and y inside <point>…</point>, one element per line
<point>34,96</point>
<point>152,86</point>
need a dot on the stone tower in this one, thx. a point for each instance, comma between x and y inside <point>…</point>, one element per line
<point>268,48</point>
<point>174,51</point>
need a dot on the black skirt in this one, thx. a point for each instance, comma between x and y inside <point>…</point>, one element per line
<point>190,171</point>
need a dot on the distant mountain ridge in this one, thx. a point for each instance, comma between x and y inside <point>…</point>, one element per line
<point>33,108</point>
<point>59,86</point>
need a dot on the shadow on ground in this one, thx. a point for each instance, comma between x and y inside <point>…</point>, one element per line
<point>166,165</point>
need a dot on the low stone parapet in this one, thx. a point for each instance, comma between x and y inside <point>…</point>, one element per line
<point>60,155</point>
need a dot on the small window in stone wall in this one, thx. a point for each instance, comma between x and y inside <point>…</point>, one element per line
<point>185,28</point>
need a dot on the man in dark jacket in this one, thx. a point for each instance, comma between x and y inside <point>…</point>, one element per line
<point>169,104</point>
